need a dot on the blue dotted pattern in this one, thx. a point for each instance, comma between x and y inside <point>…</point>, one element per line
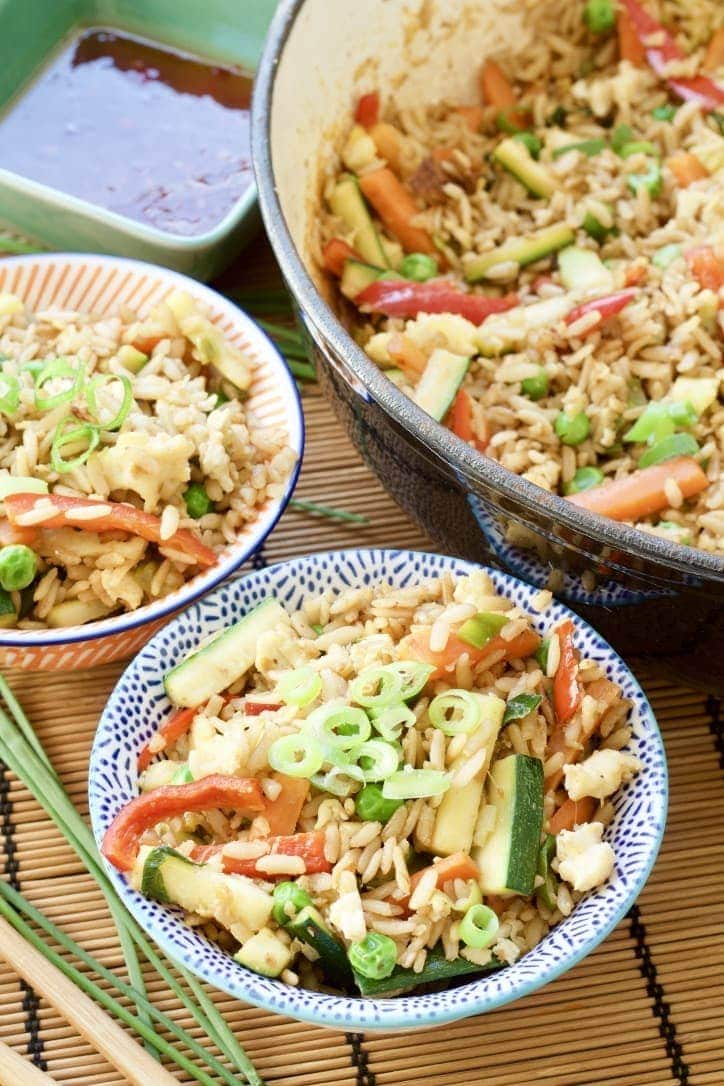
<point>138,705</point>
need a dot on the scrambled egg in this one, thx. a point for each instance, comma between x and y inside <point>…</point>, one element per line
<point>601,774</point>
<point>584,860</point>
<point>153,466</point>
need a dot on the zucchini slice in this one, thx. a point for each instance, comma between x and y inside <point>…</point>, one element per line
<point>309,927</point>
<point>436,968</point>
<point>509,857</point>
<point>582,269</point>
<point>265,954</point>
<point>438,386</point>
<point>356,276</point>
<point>522,251</point>
<point>515,157</point>
<point>347,202</point>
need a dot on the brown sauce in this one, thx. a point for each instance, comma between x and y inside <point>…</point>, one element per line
<point>151,134</point>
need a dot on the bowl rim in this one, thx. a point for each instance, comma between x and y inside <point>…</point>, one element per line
<point>202,582</point>
<point>370,1014</point>
<point>471,468</point>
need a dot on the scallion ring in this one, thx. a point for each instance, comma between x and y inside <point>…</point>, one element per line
<point>297,755</point>
<point>473,897</point>
<point>341,726</point>
<point>121,415</point>
<point>9,393</point>
<point>58,368</point>
<point>415,784</point>
<point>336,781</point>
<point>299,687</point>
<point>414,675</point>
<point>389,722</point>
<point>376,688</point>
<point>455,712</point>
<point>77,433</point>
<point>377,760</point>
<point>478,927</point>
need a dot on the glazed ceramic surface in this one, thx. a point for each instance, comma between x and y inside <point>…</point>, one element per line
<point>651,595</point>
<point>101,285</point>
<point>139,704</point>
<point>229,33</point>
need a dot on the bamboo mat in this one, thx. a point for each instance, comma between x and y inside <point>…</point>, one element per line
<point>646,1009</point>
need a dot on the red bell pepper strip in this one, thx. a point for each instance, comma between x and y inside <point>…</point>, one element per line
<point>13,533</point>
<point>336,253</point>
<point>283,813</point>
<point>368,110</point>
<point>255,706</point>
<point>418,648</point>
<point>400,298</point>
<point>706,267</point>
<point>606,307</point>
<point>309,846</point>
<point>119,517</point>
<point>122,838</point>
<point>566,688</point>
<point>699,88</point>
<point>460,421</point>
<point>170,731</point>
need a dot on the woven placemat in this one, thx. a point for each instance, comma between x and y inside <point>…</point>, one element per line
<point>646,1009</point>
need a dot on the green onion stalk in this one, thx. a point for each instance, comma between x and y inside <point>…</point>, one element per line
<point>22,752</point>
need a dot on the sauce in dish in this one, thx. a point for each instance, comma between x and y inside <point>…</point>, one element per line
<point>160,137</point>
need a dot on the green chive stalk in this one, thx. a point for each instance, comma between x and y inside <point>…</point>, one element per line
<point>329,511</point>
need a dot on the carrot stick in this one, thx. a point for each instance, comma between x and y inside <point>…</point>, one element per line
<point>336,253</point>
<point>368,110</point>
<point>457,866</point>
<point>283,813</point>
<point>308,846</point>
<point>572,813</point>
<point>388,141</point>
<point>643,492</point>
<point>460,421</point>
<point>418,647</point>
<point>629,43</point>
<point>497,91</point>
<point>714,56</point>
<point>396,207</point>
<point>686,168</point>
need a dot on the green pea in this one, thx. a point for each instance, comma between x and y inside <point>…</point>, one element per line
<point>419,267</point>
<point>371,805</point>
<point>572,429</point>
<point>599,15</point>
<point>531,141</point>
<point>198,502</point>
<point>666,112</point>
<point>584,479</point>
<point>536,387</point>
<point>289,899</point>
<point>374,957</point>
<point>18,566</point>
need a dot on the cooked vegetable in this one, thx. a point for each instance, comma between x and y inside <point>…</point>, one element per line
<point>282,813</point>
<point>8,615</point>
<point>531,141</point>
<point>18,566</point>
<point>652,180</point>
<point>706,267</point>
<point>508,857</point>
<point>371,805</point>
<point>376,688</point>
<point>584,479</point>
<point>418,266</point>
<point>374,957</point>
<point>346,202</point>
<point>297,755</point>
<point>308,847</point>
<point>714,56</point>
<point>439,384</point>
<point>211,347</point>
<point>265,953</point>
<point>336,253</point>
<point>599,15</point>
<point>396,207</point>
<point>607,307</point>
<point>309,927</point>
<point>456,712</point>
<point>198,502</point>
<point>661,419</point>
<point>520,251</point>
<point>98,381</point>
<point>120,843</point>
<point>168,734</point>
<point>377,759</point>
<point>497,91</point>
<point>131,358</point>
<point>299,687</point>
<point>515,157</point>
<point>595,228</point>
<point>436,969</point>
<point>582,269</point>
<point>112,516</point>
<point>480,630</point>
<point>479,926</point>
<point>535,388</point>
<point>398,298</point>
<point>289,899</point>
<point>638,147</point>
<point>9,394</point>
<point>525,644</point>
<point>368,109</point>
<point>572,813</point>
<point>666,255</point>
<point>666,112</point>
<point>643,492</point>
<point>572,429</point>
<point>686,168</point>
<point>567,693</point>
<point>520,706</point>
<point>339,727</point>
<point>667,448</point>
<point>415,784</point>
<point>589,148</point>
<point>547,892</point>
<point>84,436</point>
<point>461,420</point>
<point>449,869</point>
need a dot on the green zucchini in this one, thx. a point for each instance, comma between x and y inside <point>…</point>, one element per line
<point>437,968</point>
<point>547,892</point>
<point>347,202</point>
<point>440,381</point>
<point>210,344</point>
<point>264,953</point>
<point>582,269</point>
<point>356,276</point>
<point>522,251</point>
<point>8,616</point>
<point>309,927</point>
<point>515,157</point>
<point>224,660</point>
<point>508,857</point>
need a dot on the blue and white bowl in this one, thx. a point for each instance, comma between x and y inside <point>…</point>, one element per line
<point>138,705</point>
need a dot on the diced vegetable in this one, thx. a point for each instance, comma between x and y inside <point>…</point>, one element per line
<point>686,168</point>
<point>367,112</point>
<point>651,181</point>
<point>607,694</point>
<point>120,843</point>
<point>346,202</point>
<point>714,56</point>
<point>522,251</point>
<point>217,665</point>
<point>309,927</point>
<point>567,693</point>
<point>582,269</point>
<point>18,566</point>
<point>114,516</point>
<point>630,47</point>
<point>211,346</point>
<point>440,382</point>
<point>309,847</point>
<point>410,359</point>
<point>589,148</point>
<point>335,253</point>
<point>480,630</point>
<point>595,229</point>
<point>572,429</point>
<point>131,358</point>
<point>415,784</point>
<point>497,91</point>
<point>282,813</point>
<point>600,15</point>
<point>660,419</point>
<point>265,953</point>
<point>666,112</point>
<point>700,392</point>
<point>400,298</point>
<point>419,267</point>
<point>531,141</point>
<point>356,277</point>
<point>520,706</point>
<point>621,136</point>
<point>388,141</point>
<point>584,479</point>
<point>374,958</point>
<point>289,899</point>
<point>371,805</point>
<point>666,255</point>
<point>436,969</point>
<point>516,159</point>
<point>479,926</point>
<point>607,307</point>
<point>536,387</point>
<point>638,147</point>
<point>197,501</point>
<point>706,267</point>
<point>297,755</point>
<point>76,613</point>
<point>525,644</point>
<point>572,813</point>
<point>8,616</point>
<point>396,207</point>
<point>547,892</point>
<point>457,866</point>
<point>667,448</point>
<point>643,492</point>
<point>472,115</point>
<point>460,421</point>
<point>168,734</point>
<point>509,855</point>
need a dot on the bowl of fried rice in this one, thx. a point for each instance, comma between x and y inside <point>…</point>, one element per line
<point>378,789</point>
<point>151,437</point>
<point>507,243</point>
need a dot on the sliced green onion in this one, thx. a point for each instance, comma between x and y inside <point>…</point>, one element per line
<point>335,781</point>
<point>652,180</point>
<point>374,957</point>
<point>377,760</point>
<point>298,755</point>
<point>376,688</point>
<point>415,784</point>
<point>75,435</point>
<point>622,134</point>
<point>589,148</point>
<point>455,712</point>
<point>638,147</point>
<point>661,419</point>
<point>318,628</point>
<point>667,112</point>
<point>479,926</point>
<point>666,255</point>
<point>482,628</point>
<point>584,479</point>
<point>344,761</point>
<point>547,892</point>
<point>520,706</point>
<point>9,394</point>
<point>53,370</point>
<point>541,653</point>
<point>473,897</point>
<point>183,775</point>
<point>389,722</point>
<point>531,141</point>
<point>343,727</point>
<point>96,382</point>
<point>669,447</point>
<point>413,674</point>
<point>299,687</point>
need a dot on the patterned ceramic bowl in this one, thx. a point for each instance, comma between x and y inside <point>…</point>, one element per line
<point>138,704</point>
<point>102,284</point>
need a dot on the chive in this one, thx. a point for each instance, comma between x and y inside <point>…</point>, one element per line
<point>16,246</point>
<point>328,511</point>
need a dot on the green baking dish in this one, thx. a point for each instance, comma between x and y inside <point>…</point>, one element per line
<point>31,32</point>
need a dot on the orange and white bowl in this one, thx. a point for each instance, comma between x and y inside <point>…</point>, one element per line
<point>101,285</point>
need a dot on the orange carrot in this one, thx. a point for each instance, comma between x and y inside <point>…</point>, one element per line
<point>418,648</point>
<point>457,866</point>
<point>643,492</point>
<point>567,692</point>
<point>604,691</point>
<point>396,207</point>
<point>368,110</point>
<point>308,846</point>
<point>460,421</point>
<point>388,142</point>
<point>335,254</point>
<point>686,168</point>
<point>283,813</point>
<point>714,56</point>
<point>635,275</point>
<point>706,267</point>
<point>572,813</point>
<point>630,47</point>
<point>497,91</point>
<point>406,354</point>
<point>472,115</point>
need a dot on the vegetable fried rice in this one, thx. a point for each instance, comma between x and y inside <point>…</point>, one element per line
<point>386,789</point>
<point>542,269</point>
<point>128,459</point>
